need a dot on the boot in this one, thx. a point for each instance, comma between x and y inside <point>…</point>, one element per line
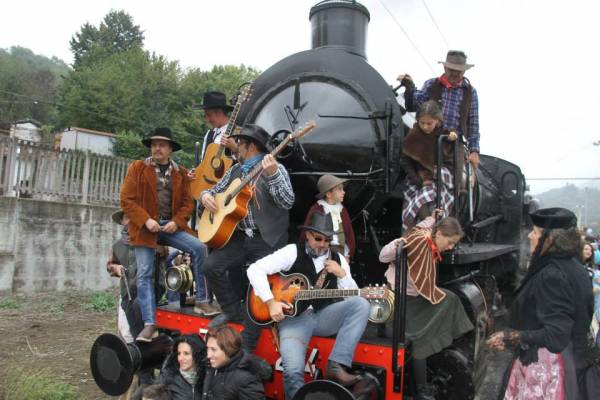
<point>206,309</point>
<point>337,373</point>
<point>425,392</point>
<point>147,334</point>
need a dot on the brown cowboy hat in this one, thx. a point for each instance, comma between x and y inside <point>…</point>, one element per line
<point>326,183</point>
<point>161,134</point>
<point>457,60</point>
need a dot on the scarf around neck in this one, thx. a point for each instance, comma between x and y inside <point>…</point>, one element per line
<point>335,210</point>
<point>249,164</point>
<point>190,377</point>
<point>444,81</point>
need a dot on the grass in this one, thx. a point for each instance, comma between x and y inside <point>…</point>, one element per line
<point>9,304</point>
<point>101,301</point>
<point>57,308</point>
<point>33,385</point>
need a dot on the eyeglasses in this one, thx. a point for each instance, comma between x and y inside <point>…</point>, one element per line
<point>321,238</point>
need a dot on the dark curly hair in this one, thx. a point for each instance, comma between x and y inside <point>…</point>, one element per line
<point>198,354</point>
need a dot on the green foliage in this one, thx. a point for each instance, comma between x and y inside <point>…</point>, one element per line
<point>116,34</point>
<point>28,385</point>
<point>129,145</point>
<point>28,84</point>
<point>9,304</point>
<point>101,301</point>
<point>56,308</point>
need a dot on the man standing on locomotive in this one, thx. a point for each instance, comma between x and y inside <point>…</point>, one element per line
<point>215,113</point>
<point>314,259</point>
<point>156,197</point>
<point>457,97</point>
<point>263,231</point>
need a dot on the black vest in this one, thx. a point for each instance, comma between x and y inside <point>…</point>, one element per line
<point>304,265</point>
<point>435,93</point>
<point>272,221</point>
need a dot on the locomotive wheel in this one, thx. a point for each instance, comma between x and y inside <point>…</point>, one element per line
<point>453,375</point>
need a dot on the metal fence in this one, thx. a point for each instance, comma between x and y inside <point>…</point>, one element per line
<point>30,171</point>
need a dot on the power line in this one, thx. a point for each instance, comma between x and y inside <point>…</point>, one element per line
<point>563,179</point>
<point>435,23</point>
<point>414,45</point>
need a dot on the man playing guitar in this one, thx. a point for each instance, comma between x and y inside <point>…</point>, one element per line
<point>264,229</point>
<point>324,268</point>
<point>216,112</point>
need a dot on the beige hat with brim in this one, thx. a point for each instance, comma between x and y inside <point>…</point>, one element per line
<point>326,183</point>
<point>457,60</point>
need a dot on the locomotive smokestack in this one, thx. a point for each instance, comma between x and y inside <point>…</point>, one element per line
<point>340,23</point>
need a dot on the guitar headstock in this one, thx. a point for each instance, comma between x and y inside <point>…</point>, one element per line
<point>244,94</point>
<point>298,133</point>
<point>375,292</point>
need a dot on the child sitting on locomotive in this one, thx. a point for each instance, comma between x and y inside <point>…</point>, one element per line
<point>419,162</point>
<point>434,316</point>
<point>331,195</point>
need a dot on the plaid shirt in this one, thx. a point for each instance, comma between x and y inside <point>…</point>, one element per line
<point>451,99</point>
<point>280,189</point>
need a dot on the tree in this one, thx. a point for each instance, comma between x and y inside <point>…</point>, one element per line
<point>116,34</point>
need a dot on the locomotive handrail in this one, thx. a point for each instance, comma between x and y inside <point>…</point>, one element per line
<point>438,160</point>
<point>399,321</point>
<point>348,174</point>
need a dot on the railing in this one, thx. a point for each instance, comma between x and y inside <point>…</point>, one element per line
<point>30,171</point>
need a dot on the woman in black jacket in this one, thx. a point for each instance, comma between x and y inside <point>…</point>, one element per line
<point>184,369</point>
<point>550,316</point>
<point>233,373</point>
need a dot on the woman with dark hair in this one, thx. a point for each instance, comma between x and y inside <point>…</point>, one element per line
<point>233,373</point>
<point>550,316</point>
<point>587,256</point>
<point>434,316</point>
<point>184,369</point>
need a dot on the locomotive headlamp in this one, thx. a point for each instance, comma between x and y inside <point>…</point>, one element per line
<point>179,278</point>
<point>382,309</point>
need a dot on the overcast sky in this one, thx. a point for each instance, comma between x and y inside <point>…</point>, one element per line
<point>536,62</point>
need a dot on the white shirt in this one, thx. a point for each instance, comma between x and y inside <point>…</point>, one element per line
<point>281,261</point>
<point>216,137</point>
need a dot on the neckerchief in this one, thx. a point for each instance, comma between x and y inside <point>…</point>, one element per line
<point>249,164</point>
<point>163,179</point>
<point>444,81</point>
<point>190,377</point>
<point>437,257</point>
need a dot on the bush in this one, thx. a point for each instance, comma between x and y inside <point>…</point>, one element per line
<point>28,385</point>
<point>101,301</point>
<point>9,304</point>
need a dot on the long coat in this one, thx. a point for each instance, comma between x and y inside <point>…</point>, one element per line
<point>139,200</point>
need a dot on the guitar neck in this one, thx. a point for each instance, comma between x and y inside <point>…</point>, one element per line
<point>230,125</point>
<point>326,293</point>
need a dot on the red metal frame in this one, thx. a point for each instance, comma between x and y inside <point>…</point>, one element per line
<point>318,352</point>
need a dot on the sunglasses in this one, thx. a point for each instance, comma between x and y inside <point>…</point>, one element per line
<point>321,238</point>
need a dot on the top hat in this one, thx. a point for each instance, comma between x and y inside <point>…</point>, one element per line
<point>117,216</point>
<point>256,134</point>
<point>320,223</point>
<point>326,183</point>
<point>162,134</point>
<point>214,100</point>
<point>456,59</point>
<point>554,218</point>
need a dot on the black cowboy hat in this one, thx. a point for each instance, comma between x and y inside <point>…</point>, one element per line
<point>214,100</point>
<point>117,216</point>
<point>162,134</point>
<point>256,134</point>
<point>320,223</point>
<point>554,218</point>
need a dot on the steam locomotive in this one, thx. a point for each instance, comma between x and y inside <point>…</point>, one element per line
<point>359,138</point>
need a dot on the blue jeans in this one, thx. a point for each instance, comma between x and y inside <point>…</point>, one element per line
<point>348,318</point>
<point>145,268</point>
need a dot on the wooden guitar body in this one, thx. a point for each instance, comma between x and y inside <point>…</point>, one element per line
<point>215,229</point>
<point>284,288</point>
<point>211,169</point>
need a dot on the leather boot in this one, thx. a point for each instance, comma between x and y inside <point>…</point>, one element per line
<point>425,392</point>
<point>337,373</point>
<point>147,334</point>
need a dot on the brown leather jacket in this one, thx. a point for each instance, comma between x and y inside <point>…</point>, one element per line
<point>139,200</point>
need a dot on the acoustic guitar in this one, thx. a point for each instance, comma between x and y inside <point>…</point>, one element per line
<point>293,288</point>
<point>215,229</point>
<point>215,163</point>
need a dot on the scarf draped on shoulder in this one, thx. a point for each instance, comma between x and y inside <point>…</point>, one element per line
<point>422,258</point>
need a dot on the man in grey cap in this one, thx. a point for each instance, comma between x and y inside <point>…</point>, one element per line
<point>456,96</point>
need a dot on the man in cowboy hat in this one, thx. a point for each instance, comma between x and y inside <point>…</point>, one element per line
<point>156,197</point>
<point>216,112</point>
<point>263,231</point>
<point>457,96</point>
<point>318,317</point>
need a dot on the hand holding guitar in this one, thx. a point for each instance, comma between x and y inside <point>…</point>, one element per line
<point>276,309</point>
<point>208,201</point>
<point>334,268</point>
<point>269,165</point>
<point>229,143</point>
<point>152,225</point>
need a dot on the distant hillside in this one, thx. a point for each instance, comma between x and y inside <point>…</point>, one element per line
<point>575,199</point>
